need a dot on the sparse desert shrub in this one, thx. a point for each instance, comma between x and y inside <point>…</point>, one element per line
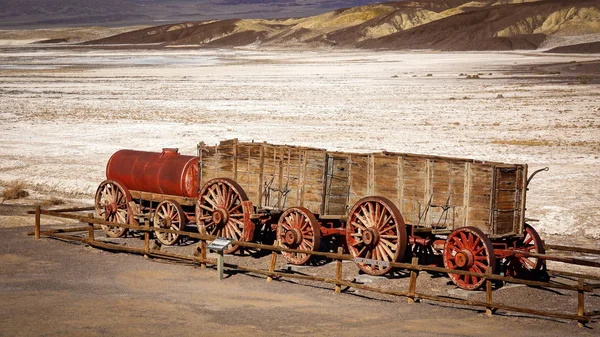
<point>429,75</point>
<point>473,77</point>
<point>54,201</point>
<point>466,97</point>
<point>14,190</point>
<point>452,98</point>
<point>461,74</point>
<point>583,79</point>
<point>395,76</point>
<point>414,76</point>
<point>500,96</point>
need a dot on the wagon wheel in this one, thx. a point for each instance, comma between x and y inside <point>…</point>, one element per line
<point>112,204</point>
<point>468,249</point>
<point>298,229</point>
<point>523,266</point>
<point>376,230</point>
<point>169,215</point>
<point>221,210</point>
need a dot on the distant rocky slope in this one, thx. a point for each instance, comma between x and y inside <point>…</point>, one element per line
<point>440,25</point>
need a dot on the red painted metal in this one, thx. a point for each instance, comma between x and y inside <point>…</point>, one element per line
<point>166,172</point>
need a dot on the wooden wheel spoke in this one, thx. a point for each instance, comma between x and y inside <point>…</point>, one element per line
<point>458,243</point>
<point>211,202</point>
<point>356,224</point>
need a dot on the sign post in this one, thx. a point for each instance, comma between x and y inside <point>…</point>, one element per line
<point>219,245</point>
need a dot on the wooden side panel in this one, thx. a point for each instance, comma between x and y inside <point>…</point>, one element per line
<point>217,162</point>
<point>249,168</point>
<point>385,177</point>
<point>480,196</point>
<point>414,190</point>
<point>358,177</point>
<point>446,194</point>
<point>313,180</point>
<point>508,193</point>
<point>337,185</point>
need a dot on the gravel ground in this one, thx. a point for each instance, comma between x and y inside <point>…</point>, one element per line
<point>74,289</point>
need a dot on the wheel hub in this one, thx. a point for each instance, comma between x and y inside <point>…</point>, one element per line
<point>293,237</point>
<point>166,223</point>
<point>464,259</point>
<point>220,216</point>
<point>111,208</point>
<point>371,236</point>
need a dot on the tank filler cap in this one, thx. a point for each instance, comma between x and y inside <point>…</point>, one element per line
<point>170,151</point>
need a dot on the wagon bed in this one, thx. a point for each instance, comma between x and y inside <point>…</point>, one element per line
<point>431,192</point>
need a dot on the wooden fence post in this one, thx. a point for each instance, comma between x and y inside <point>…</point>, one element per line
<point>38,214</point>
<point>202,248</point>
<point>273,262</point>
<point>488,292</point>
<point>90,228</point>
<point>412,287</point>
<point>146,238</point>
<point>220,262</point>
<point>580,302</point>
<point>338,272</point>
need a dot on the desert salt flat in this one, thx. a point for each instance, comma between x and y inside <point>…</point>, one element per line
<point>61,124</point>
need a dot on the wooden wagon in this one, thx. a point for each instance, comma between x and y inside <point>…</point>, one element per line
<point>383,206</point>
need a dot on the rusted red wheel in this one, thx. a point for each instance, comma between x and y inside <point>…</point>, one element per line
<point>224,210</point>
<point>376,231</point>
<point>112,204</point>
<point>469,249</point>
<point>168,215</point>
<point>522,266</point>
<point>298,229</point>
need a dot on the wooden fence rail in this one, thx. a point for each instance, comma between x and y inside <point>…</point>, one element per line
<point>200,258</point>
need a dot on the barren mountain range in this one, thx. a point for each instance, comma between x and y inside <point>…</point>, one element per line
<point>51,13</point>
<point>418,24</point>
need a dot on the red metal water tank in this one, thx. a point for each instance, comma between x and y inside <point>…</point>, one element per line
<point>166,172</point>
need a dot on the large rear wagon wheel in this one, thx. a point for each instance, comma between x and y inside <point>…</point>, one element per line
<point>298,229</point>
<point>375,230</point>
<point>468,249</point>
<point>112,204</point>
<point>223,210</point>
<point>168,215</point>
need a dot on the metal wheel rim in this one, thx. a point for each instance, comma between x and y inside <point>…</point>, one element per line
<point>222,193</point>
<point>474,240</point>
<point>304,220</point>
<point>168,209</point>
<point>382,214</point>
<point>111,192</point>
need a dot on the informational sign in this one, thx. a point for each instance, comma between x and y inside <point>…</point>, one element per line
<point>219,244</point>
<point>371,262</point>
